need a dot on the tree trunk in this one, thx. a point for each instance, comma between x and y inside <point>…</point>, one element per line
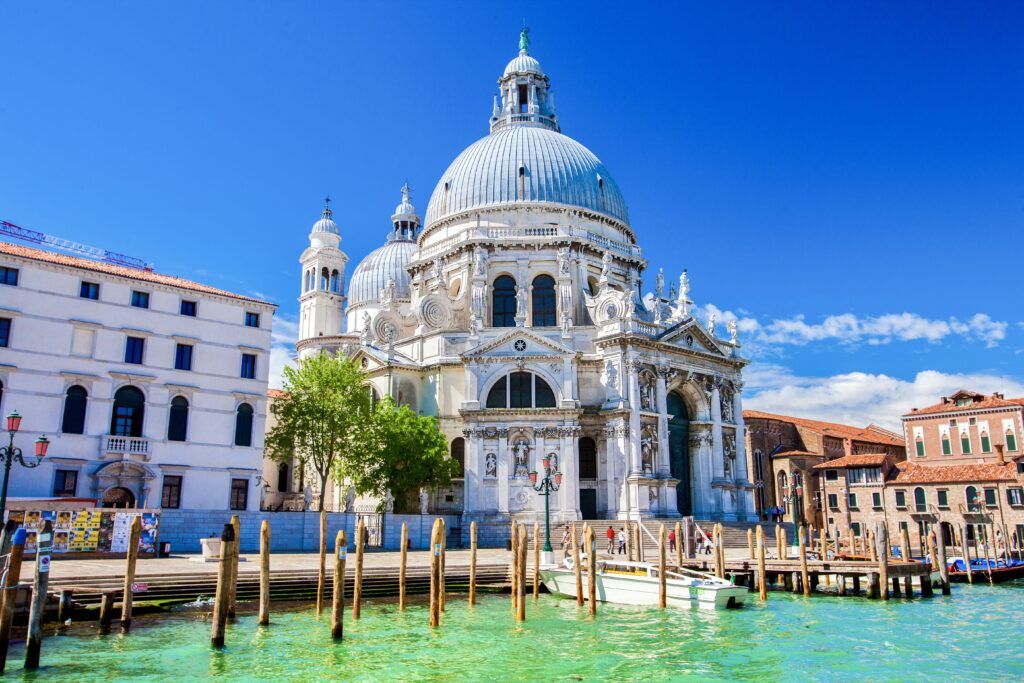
<point>324,477</point>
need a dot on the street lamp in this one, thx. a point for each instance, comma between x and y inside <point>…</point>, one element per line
<point>796,491</point>
<point>551,482</point>
<point>9,454</point>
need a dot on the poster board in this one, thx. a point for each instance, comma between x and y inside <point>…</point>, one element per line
<point>94,531</point>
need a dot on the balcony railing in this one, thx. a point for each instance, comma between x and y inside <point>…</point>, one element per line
<point>126,445</point>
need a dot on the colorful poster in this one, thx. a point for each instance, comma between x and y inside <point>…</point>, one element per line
<point>63,522</point>
<point>106,532</point>
<point>121,532</point>
<point>30,541</point>
<point>147,540</point>
<point>32,518</point>
<point>85,529</point>
<point>61,541</point>
<point>17,515</point>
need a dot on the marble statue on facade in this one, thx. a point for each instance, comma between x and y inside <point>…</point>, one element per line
<point>733,331</point>
<point>424,500</point>
<point>491,466</point>
<point>648,451</point>
<point>389,501</point>
<point>711,324</point>
<point>521,452</point>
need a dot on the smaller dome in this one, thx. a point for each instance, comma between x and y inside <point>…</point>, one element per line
<point>380,266</point>
<point>523,64</point>
<point>326,223</point>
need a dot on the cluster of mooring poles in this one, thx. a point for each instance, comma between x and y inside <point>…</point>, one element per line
<point>845,561</point>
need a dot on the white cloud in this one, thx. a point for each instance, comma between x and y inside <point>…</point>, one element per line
<point>283,334</point>
<point>848,328</point>
<point>860,398</point>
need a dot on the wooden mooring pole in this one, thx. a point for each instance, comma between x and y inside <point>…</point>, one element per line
<point>321,575</point>
<point>435,573</point>
<point>679,544</point>
<point>403,559</point>
<point>338,588</point>
<point>716,543</point>
<point>943,566</point>
<point>762,574</point>
<point>750,543</point>
<point>264,573</point>
<point>778,542</point>
<point>107,610</point>
<point>220,601</point>
<point>523,546</point>
<point>515,568</point>
<point>34,637</point>
<point>472,563</point>
<point>805,576</point>
<point>591,570</point>
<point>578,570</point>
<point>14,562</point>
<point>883,560</point>
<point>442,590</point>
<point>357,586</point>
<point>966,556</point>
<point>536,561</point>
<point>236,523</point>
<point>629,541</point>
<point>662,586</point>
<point>129,573</point>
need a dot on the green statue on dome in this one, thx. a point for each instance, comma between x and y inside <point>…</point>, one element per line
<point>524,39</point>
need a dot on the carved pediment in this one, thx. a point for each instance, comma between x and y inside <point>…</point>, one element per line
<point>690,334</point>
<point>518,342</point>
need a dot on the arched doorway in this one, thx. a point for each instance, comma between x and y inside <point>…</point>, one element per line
<point>586,477</point>
<point>679,451</point>
<point>118,497</point>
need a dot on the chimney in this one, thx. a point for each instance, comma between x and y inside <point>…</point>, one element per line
<point>999,454</point>
<point>998,395</point>
<point>945,399</point>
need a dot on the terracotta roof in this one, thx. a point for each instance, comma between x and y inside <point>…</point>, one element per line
<point>910,473</point>
<point>869,434</point>
<point>276,393</point>
<point>859,460</point>
<point>981,402</point>
<point>120,271</point>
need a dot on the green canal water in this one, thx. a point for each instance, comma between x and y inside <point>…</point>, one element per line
<point>977,634</point>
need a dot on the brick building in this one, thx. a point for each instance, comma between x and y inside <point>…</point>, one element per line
<point>965,471</point>
<point>781,446</point>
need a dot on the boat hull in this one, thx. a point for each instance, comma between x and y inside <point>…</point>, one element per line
<point>625,589</point>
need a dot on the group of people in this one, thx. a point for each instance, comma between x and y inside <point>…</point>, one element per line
<point>776,513</point>
<point>617,541</point>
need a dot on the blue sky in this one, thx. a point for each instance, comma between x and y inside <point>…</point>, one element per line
<point>844,178</point>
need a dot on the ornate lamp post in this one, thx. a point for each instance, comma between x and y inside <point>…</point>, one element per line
<point>9,454</point>
<point>551,482</point>
<point>792,499</point>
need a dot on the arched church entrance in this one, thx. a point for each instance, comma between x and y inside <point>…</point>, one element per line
<point>587,477</point>
<point>679,451</point>
<point>118,497</point>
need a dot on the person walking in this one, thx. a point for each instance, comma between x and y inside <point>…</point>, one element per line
<point>622,541</point>
<point>610,535</point>
<point>566,542</point>
<point>672,541</point>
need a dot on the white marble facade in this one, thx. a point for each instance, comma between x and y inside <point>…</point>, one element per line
<point>515,315</point>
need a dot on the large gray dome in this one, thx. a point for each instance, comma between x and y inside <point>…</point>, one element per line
<point>380,265</point>
<point>556,170</point>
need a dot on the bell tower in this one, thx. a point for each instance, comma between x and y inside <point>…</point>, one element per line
<point>322,292</point>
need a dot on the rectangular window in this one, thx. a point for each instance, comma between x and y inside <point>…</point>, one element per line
<point>855,527</point>
<point>831,475</point>
<point>990,498</point>
<point>8,276</point>
<point>1011,442</point>
<point>140,299</point>
<point>252,319</point>
<point>901,500</point>
<point>965,443</point>
<point>248,366</point>
<point>920,447</point>
<point>133,350</point>
<point>65,483</point>
<point>1015,496</point>
<point>188,308</point>
<point>853,501</point>
<point>171,495</point>
<point>833,501</point>
<point>5,332</point>
<point>876,500</point>
<point>89,290</point>
<point>239,494</point>
<point>952,422</point>
<point>986,444</point>
<point>947,446</point>
<point>183,357</point>
<point>943,495</point>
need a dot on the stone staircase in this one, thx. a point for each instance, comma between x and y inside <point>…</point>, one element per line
<point>734,534</point>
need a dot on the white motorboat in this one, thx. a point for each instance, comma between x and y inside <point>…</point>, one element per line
<point>636,583</point>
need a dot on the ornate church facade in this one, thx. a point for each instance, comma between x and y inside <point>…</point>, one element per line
<point>514,314</point>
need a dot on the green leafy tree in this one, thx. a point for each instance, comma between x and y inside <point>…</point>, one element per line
<point>408,451</point>
<point>325,420</point>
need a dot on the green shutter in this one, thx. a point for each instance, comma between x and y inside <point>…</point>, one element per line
<point>947,448</point>
<point>965,444</point>
<point>986,444</point>
<point>1011,442</point>
<point>920,447</point>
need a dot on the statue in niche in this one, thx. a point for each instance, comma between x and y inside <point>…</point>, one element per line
<point>424,500</point>
<point>652,498</point>
<point>727,408</point>
<point>521,297</point>
<point>521,451</point>
<point>480,262</point>
<point>553,457</point>
<point>729,453</point>
<point>648,451</point>
<point>611,374</point>
<point>647,391</point>
<point>563,261</point>
<point>606,265</point>
<point>491,465</point>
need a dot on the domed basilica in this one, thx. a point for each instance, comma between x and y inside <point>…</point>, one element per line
<point>514,314</point>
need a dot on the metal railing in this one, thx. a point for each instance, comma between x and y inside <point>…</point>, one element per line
<point>128,445</point>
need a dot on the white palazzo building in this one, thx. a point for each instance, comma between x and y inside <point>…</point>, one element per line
<point>514,313</point>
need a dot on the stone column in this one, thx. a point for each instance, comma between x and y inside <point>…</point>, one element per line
<point>633,384</point>
<point>568,390</point>
<point>612,472</point>
<point>471,401</point>
<point>472,484</point>
<point>504,471</point>
<point>567,461</point>
<point>700,452</point>
<point>662,467</point>
<point>745,493</point>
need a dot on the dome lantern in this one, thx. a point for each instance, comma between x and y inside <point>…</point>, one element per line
<point>405,221</point>
<point>525,97</point>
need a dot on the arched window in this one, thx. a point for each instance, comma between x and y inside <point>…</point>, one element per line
<point>459,456</point>
<point>783,488</point>
<point>177,423</point>
<point>324,279</point>
<point>520,390</point>
<point>588,458</point>
<point>335,281</point>
<point>73,421</point>
<point>919,500</point>
<point>503,302</point>
<point>282,477</point>
<point>544,301</point>
<point>971,494</point>
<point>129,411</point>
<point>243,425</point>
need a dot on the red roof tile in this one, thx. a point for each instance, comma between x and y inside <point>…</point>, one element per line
<point>276,393</point>
<point>121,271</point>
<point>859,460</point>
<point>980,402</point>
<point>910,473</point>
<point>868,434</point>
<point>784,454</point>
